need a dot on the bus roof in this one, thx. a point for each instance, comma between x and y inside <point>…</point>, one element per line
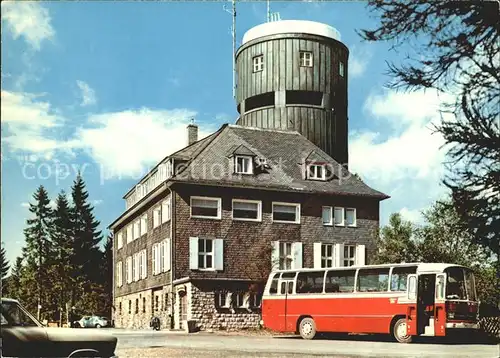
<point>421,267</point>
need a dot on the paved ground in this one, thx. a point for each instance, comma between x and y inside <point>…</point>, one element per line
<point>166,344</point>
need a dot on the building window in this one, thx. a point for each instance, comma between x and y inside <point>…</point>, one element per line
<point>350,217</point>
<point>248,210</point>
<point>156,260</point>
<point>119,240</point>
<point>156,216</point>
<point>339,217</point>
<point>137,228</point>
<point>243,165</point>
<point>221,299</point>
<point>316,172</point>
<point>166,210</point>
<point>327,257</point>
<point>144,224</point>
<point>255,300</point>
<point>349,255</point>
<point>165,305</point>
<point>157,302</point>
<point>120,308</point>
<point>144,305</point>
<point>128,268</point>
<point>119,274</point>
<point>239,300</point>
<point>306,59</point>
<point>129,306</point>
<point>286,257</point>
<point>205,254</point>
<point>341,69</point>
<point>136,305</point>
<point>203,207</point>
<point>258,63</point>
<point>286,212</point>
<point>327,215</point>
<point>130,234</point>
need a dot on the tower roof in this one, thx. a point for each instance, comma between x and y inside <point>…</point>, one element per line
<point>291,26</point>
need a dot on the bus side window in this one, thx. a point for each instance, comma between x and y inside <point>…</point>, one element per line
<point>273,289</point>
<point>283,287</point>
<point>310,282</point>
<point>399,277</point>
<point>373,280</point>
<point>340,281</point>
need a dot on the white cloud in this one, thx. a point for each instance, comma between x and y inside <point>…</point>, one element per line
<point>97,202</point>
<point>126,143</point>
<point>359,57</point>
<point>28,120</point>
<point>25,205</point>
<point>28,19</point>
<point>415,215</point>
<point>406,159</point>
<point>87,93</point>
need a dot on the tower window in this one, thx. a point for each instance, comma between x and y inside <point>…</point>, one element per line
<point>313,98</point>
<point>341,69</point>
<point>316,171</point>
<point>258,63</point>
<point>306,59</point>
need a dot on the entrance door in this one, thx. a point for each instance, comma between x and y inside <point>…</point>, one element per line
<point>286,288</point>
<point>412,310</point>
<point>439,304</point>
<point>182,309</point>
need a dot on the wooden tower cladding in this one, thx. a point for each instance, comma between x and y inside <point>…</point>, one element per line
<point>292,75</point>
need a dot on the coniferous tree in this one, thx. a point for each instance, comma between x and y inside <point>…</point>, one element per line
<point>62,238</point>
<point>87,256</point>
<point>4,264</point>
<point>107,270</point>
<point>12,289</point>
<point>38,250</point>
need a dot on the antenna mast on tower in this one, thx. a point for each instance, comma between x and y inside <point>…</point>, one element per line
<point>268,11</point>
<point>233,33</point>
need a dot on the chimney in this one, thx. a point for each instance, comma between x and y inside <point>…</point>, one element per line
<point>192,130</point>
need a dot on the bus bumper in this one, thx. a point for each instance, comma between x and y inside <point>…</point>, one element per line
<point>465,325</point>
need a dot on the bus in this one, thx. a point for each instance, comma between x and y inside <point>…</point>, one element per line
<point>404,300</point>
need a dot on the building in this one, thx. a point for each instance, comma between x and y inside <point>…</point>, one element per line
<point>202,229</point>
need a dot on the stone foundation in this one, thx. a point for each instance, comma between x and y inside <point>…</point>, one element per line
<point>140,319</point>
<point>204,310</point>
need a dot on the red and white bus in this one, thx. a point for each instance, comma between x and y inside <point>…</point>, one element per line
<point>405,300</point>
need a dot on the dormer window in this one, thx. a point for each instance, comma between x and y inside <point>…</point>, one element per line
<point>243,164</point>
<point>316,172</point>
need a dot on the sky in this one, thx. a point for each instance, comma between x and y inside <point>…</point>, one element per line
<point>107,88</point>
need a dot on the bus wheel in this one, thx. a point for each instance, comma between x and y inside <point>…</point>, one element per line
<point>307,328</point>
<point>399,331</point>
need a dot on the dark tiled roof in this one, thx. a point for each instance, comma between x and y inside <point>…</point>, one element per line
<point>285,152</point>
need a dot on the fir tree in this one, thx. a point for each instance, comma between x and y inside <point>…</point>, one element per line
<point>87,237</point>
<point>62,238</point>
<point>107,269</point>
<point>4,264</point>
<point>12,289</point>
<point>38,248</point>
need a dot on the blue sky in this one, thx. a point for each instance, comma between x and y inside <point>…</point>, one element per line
<point>108,88</point>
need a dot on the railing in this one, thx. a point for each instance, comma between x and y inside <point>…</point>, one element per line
<point>161,173</point>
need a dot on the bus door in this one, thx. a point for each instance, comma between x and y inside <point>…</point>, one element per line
<point>411,311</point>
<point>439,306</point>
<point>286,288</point>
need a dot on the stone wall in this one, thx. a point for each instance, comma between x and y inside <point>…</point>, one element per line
<point>204,311</point>
<point>148,306</point>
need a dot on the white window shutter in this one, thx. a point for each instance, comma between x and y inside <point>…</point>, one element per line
<point>360,255</point>
<point>159,247</point>
<point>317,254</point>
<point>166,255</point>
<point>297,255</point>
<point>153,259</point>
<point>219,254</point>
<point>275,255</point>
<point>145,264</point>
<point>339,255</point>
<point>193,253</point>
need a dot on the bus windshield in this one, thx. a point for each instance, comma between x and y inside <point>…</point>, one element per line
<point>460,284</point>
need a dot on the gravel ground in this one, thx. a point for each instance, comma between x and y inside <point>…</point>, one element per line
<point>196,353</point>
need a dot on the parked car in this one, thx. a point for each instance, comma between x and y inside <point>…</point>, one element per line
<point>22,335</point>
<point>91,322</point>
